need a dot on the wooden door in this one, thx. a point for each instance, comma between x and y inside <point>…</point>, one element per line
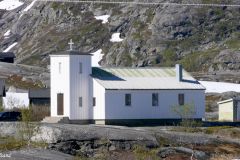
<point>60,105</point>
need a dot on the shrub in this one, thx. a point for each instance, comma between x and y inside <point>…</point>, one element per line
<point>11,143</point>
<point>186,113</point>
<point>212,130</point>
<point>142,153</point>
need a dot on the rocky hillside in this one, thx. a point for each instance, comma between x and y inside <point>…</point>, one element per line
<point>201,38</point>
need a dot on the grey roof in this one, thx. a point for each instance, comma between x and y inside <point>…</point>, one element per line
<point>39,93</point>
<point>71,52</point>
<point>229,100</point>
<point>13,89</point>
<point>7,55</point>
<point>144,78</point>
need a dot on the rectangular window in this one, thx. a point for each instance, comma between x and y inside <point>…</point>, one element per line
<point>181,99</point>
<point>80,101</point>
<point>155,99</point>
<point>94,101</point>
<point>80,67</point>
<point>128,99</point>
<point>59,67</point>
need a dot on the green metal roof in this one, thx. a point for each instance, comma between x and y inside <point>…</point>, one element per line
<point>143,78</point>
<point>135,72</point>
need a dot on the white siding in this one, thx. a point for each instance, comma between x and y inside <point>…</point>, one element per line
<point>99,93</point>
<point>226,111</point>
<point>80,86</point>
<point>142,108</point>
<point>60,83</point>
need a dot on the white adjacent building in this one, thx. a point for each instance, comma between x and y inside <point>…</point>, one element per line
<point>15,98</point>
<point>229,110</point>
<point>89,94</point>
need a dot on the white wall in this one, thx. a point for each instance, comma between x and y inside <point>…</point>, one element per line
<point>142,108</point>
<point>226,111</point>
<point>73,85</point>
<point>15,100</point>
<point>99,93</point>
<point>60,83</point>
<point>80,86</point>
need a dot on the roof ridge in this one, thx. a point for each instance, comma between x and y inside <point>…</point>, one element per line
<point>116,67</point>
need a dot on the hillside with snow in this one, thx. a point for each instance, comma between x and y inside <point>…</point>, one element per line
<point>135,35</point>
<point>119,35</point>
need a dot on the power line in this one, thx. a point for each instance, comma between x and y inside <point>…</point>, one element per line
<point>143,3</point>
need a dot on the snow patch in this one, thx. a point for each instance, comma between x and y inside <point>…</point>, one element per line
<point>104,18</point>
<point>10,47</point>
<point>220,87</point>
<point>116,38</point>
<point>10,4</point>
<point>97,56</point>
<point>28,7</point>
<point>7,34</point>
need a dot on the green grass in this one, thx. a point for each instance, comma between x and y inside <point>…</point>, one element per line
<point>199,61</point>
<point>212,130</point>
<point>142,153</point>
<point>233,44</point>
<point>150,13</point>
<point>142,31</point>
<point>11,143</point>
<point>33,60</point>
<point>169,57</point>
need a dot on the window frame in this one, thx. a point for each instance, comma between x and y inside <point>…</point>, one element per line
<point>59,67</point>
<point>155,95</point>
<point>94,101</point>
<point>128,99</point>
<point>80,68</point>
<point>181,99</point>
<point>80,101</point>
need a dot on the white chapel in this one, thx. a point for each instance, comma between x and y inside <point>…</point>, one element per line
<point>111,95</point>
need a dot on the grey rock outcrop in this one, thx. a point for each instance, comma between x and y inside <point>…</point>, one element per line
<point>227,60</point>
<point>153,35</point>
<point>164,152</point>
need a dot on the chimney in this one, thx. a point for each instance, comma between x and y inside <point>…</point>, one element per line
<point>179,73</point>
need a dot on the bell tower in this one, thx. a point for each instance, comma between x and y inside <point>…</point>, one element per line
<point>71,84</point>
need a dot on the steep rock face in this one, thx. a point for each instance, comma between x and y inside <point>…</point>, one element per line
<point>227,60</point>
<point>152,35</point>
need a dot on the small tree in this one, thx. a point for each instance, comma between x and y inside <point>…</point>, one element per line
<point>186,112</point>
<point>27,128</point>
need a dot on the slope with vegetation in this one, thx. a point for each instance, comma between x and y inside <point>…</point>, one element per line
<point>201,38</point>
